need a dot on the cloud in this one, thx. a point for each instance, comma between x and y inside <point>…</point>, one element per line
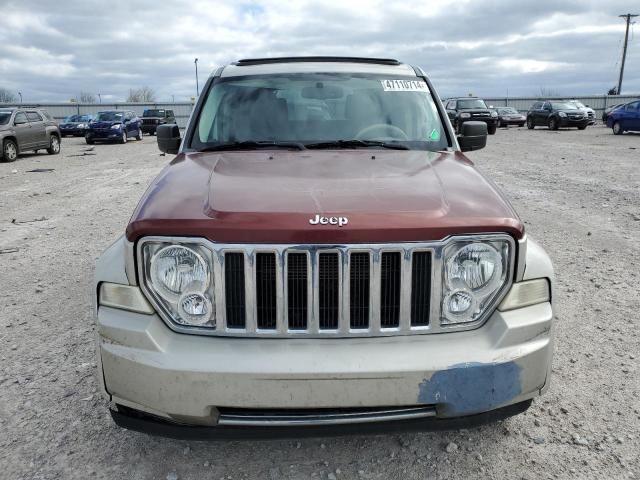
<point>574,46</point>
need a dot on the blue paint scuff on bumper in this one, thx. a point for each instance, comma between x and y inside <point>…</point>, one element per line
<point>469,388</point>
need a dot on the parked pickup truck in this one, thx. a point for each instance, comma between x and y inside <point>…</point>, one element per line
<point>321,255</point>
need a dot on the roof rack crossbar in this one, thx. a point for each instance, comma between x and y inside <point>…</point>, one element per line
<point>266,61</point>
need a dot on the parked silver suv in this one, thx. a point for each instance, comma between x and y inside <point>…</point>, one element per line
<point>24,130</point>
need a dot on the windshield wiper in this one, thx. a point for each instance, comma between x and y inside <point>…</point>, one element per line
<point>252,145</point>
<point>357,144</point>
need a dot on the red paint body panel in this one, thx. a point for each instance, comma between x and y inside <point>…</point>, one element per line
<point>269,196</point>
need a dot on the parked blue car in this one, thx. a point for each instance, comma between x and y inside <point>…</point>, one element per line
<point>625,118</point>
<point>114,125</point>
<point>75,125</point>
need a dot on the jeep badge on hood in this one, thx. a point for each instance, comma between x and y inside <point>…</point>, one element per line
<point>340,221</point>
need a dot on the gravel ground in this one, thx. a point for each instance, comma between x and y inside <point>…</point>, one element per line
<point>579,194</point>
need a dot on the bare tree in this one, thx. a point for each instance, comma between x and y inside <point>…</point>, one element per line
<point>140,95</point>
<point>548,92</point>
<point>86,97</point>
<point>7,96</point>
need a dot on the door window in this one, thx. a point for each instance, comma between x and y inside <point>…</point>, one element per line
<point>34,117</point>
<point>20,118</point>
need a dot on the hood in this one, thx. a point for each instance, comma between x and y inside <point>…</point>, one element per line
<point>5,127</point>
<point>271,196</point>
<point>103,124</point>
<point>74,124</point>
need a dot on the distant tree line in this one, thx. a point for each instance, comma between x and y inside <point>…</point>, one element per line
<point>7,96</point>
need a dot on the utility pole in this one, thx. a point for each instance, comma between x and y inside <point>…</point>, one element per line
<point>99,97</point>
<point>197,89</point>
<point>628,16</point>
<point>20,93</point>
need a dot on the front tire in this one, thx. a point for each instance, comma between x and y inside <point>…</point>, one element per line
<point>54,145</point>
<point>9,151</point>
<point>553,124</point>
<point>89,139</point>
<point>123,138</point>
<point>582,127</point>
<point>492,130</point>
<point>530,124</point>
<point>617,129</point>
<point>139,134</point>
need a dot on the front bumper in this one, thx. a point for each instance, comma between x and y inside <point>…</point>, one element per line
<point>106,134</point>
<point>149,128</point>
<point>188,380</point>
<point>570,122</point>
<point>76,132</point>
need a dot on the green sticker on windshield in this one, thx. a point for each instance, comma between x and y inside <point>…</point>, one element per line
<point>435,135</point>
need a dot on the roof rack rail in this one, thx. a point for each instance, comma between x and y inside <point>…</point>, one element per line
<point>266,61</point>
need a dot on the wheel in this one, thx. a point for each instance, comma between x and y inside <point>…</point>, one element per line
<point>89,139</point>
<point>521,125</point>
<point>617,129</point>
<point>9,151</point>
<point>139,134</point>
<point>530,124</point>
<point>492,130</point>
<point>123,138</point>
<point>582,127</point>
<point>54,145</point>
<point>553,123</point>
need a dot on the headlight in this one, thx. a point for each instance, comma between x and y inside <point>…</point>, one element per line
<point>562,114</point>
<point>494,114</point>
<point>116,126</point>
<point>178,277</point>
<point>81,125</point>
<point>465,115</point>
<point>475,273</point>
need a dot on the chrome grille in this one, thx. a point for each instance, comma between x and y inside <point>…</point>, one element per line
<point>325,290</point>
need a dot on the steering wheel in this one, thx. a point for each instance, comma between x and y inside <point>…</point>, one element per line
<point>395,132</point>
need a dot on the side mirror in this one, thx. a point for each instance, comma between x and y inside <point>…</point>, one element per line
<point>168,137</point>
<point>473,136</point>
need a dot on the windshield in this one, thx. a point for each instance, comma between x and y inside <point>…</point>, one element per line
<point>109,116</point>
<point>563,106</point>
<point>4,117</point>
<point>153,113</point>
<point>472,104</point>
<point>507,110</point>
<point>320,107</point>
<point>76,118</point>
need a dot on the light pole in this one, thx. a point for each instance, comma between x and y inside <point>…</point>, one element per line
<point>173,99</point>
<point>99,97</point>
<point>197,88</point>
<point>20,93</point>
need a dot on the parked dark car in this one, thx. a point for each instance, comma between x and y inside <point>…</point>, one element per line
<point>510,116</point>
<point>75,125</point>
<point>152,118</point>
<point>625,118</point>
<point>608,110</point>
<point>114,125</point>
<point>556,115</point>
<point>467,109</point>
<point>24,130</point>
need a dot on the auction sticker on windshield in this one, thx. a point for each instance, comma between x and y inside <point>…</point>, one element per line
<point>404,86</point>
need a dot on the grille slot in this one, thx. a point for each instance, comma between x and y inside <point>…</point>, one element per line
<point>297,297</point>
<point>390,274</point>
<point>234,290</point>
<point>420,288</point>
<point>266,297</point>
<point>359,282</point>
<point>328,290</point>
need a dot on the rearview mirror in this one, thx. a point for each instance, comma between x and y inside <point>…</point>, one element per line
<point>168,136</point>
<point>473,136</point>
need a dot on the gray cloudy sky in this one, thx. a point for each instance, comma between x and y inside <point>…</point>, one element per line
<point>50,51</point>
